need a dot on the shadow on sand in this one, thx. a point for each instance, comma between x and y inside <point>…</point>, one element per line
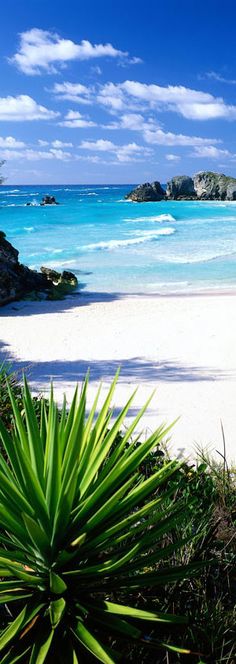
<point>134,370</point>
<point>78,299</point>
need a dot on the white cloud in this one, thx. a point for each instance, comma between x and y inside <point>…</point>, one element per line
<point>55,144</point>
<point>209,111</point>
<point>111,95</point>
<point>61,144</point>
<point>191,104</point>
<point>172,157</point>
<point>160,137</point>
<point>43,143</point>
<point>100,145</point>
<point>74,119</point>
<point>210,152</point>
<point>23,108</point>
<point>10,142</point>
<point>136,122</point>
<point>153,134</point>
<point>41,50</point>
<point>123,153</point>
<point>35,155</point>
<point>93,159</point>
<point>213,75</point>
<point>75,92</point>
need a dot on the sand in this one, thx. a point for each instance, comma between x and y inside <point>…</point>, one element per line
<point>183,346</point>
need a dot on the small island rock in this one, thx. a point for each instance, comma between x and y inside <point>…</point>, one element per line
<point>146,192</point>
<point>214,186</point>
<point>206,185</point>
<point>49,200</point>
<point>180,186</point>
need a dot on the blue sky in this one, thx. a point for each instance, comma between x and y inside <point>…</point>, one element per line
<point>102,92</point>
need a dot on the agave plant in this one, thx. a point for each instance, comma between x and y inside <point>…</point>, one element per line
<point>79,525</point>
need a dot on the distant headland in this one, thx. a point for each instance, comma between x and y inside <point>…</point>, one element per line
<point>204,186</point>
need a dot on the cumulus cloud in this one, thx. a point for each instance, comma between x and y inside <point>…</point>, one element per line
<point>75,92</point>
<point>172,157</point>
<point>35,155</point>
<point>41,50</point>
<point>55,144</point>
<point>123,153</point>
<point>152,132</point>
<point>191,104</point>
<point>10,142</point>
<point>61,144</point>
<point>74,119</point>
<point>210,152</point>
<point>23,108</point>
<point>160,137</point>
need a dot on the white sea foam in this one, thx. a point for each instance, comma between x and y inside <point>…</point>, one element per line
<point>29,229</point>
<point>156,218</point>
<point>9,191</point>
<point>153,234</point>
<point>203,258</point>
<point>116,244</point>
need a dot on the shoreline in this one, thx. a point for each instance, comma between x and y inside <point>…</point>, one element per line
<point>128,294</point>
<point>181,346</point>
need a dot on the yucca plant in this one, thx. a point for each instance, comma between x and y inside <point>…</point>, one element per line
<point>79,526</point>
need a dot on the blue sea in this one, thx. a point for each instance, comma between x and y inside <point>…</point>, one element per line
<point>115,245</point>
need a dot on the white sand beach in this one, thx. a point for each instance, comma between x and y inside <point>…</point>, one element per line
<point>184,347</point>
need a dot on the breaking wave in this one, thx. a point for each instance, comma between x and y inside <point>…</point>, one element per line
<point>116,244</point>
<point>156,218</point>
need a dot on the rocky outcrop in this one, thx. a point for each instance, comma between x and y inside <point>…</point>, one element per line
<point>146,192</point>
<point>206,185</point>
<point>17,280</point>
<point>61,283</point>
<point>214,186</point>
<point>180,187</point>
<point>49,200</point>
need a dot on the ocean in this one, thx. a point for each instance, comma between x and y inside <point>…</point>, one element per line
<point>118,246</point>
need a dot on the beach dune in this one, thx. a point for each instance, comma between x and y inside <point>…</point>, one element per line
<point>181,346</point>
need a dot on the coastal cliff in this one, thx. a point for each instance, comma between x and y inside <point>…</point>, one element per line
<point>17,280</point>
<point>205,185</point>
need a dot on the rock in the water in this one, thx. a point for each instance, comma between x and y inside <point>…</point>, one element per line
<point>205,185</point>
<point>63,283</point>
<point>231,191</point>
<point>214,186</point>
<point>146,192</point>
<point>181,186</point>
<point>17,280</point>
<point>49,200</point>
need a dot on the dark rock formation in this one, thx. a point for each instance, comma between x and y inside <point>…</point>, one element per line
<point>146,192</point>
<point>17,280</point>
<point>60,283</point>
<point>49,200</point>
<point>180,187</point>
<point>214,186</point>
<point>205,185</point>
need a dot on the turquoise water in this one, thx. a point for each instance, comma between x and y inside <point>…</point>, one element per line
<point>117,246</point>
